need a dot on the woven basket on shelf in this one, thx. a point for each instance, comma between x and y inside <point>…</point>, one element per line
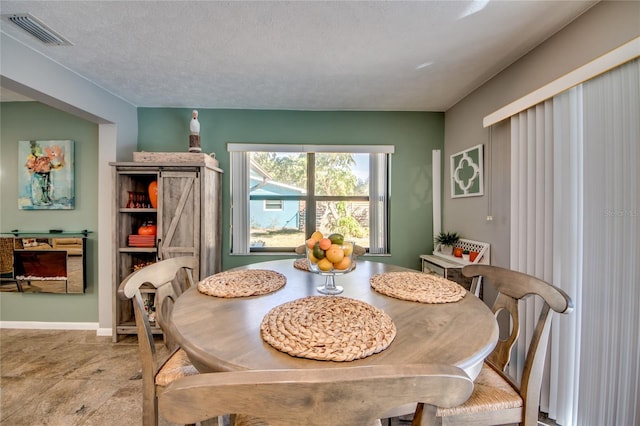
<point>6,255</point>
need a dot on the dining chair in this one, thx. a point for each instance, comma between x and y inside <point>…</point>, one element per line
<point>320,396</point>
<point>168,282</point>
<point>496,398</point>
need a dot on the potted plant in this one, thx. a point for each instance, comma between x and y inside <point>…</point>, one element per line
<point>447,240</point>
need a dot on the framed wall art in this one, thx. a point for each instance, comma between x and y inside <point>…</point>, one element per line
<point>466,173</point>
<point>46,175</point>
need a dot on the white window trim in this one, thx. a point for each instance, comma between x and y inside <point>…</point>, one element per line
<point>352,149</point>
<point>239,156</point>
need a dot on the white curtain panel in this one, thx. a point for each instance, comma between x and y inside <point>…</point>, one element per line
<point>580,231</point>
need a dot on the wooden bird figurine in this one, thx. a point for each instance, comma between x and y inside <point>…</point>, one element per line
<point>194,136</point>
<point>194,126</point>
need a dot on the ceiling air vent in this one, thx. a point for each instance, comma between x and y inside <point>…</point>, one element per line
<point>38,29</point>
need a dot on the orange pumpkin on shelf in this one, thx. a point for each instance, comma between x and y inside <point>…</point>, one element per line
<point>148,228</point>
<point>153,194</point>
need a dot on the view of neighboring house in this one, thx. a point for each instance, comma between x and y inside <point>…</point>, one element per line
<point>273,209</point>
<point>273,213</point>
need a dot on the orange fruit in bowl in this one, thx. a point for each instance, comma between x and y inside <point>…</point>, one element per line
<point>325,243</point>
<point>344,264</point>
<point>310,243</point>
<point>317,235</point>
<point>334,253</point>
<point>348,248</point>
<point>325,264</point>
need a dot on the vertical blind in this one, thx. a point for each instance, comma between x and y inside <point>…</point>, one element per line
<point>609,390</point>
<point>567,251</point>
<point>574,212</point>
<point>531,211</point>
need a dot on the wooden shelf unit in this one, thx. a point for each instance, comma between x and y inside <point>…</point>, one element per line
<point>188,217</point>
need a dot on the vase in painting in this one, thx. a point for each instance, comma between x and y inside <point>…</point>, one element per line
<point>41,189</point>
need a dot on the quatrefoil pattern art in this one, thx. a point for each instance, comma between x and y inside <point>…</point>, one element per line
<point>466,173</point>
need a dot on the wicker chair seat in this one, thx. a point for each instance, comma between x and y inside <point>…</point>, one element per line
<point>491,392</point>
<point>176,367</point>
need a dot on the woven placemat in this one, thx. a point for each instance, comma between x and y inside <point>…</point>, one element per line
<point>417,287</point>
<point>302,264</point>
<point>252,282</point>
<point>328,328</point>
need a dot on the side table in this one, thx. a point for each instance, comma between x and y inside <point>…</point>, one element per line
<point>448,269</point>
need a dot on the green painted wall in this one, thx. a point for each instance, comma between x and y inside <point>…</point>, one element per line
<point>32,121</point>
<point>414,135</point>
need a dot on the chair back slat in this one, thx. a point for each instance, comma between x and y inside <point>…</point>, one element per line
<point>501,354</point>
<point>324,396</point>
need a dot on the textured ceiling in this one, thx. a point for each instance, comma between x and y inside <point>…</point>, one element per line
<point>308,55</point>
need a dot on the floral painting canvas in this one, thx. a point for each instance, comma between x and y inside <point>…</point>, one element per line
<point>46,176</point>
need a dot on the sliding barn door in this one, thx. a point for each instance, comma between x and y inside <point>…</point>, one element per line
<point>179,219</point>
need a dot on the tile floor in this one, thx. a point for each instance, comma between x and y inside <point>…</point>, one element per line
<point>68,378</point>
<point>65,378</point>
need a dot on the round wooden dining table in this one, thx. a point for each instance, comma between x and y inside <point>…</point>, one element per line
<point>223,334</point>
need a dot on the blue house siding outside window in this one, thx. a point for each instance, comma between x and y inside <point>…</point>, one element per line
<point>263,218</point>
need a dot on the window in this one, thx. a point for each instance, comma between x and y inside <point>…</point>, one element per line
<point>282,193</point>
<point>273,205</point>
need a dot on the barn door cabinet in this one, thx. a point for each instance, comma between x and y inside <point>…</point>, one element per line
<point>187,216</point>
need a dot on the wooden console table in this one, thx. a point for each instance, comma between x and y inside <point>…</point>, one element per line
<point>450,267</point>
<point>449,270</point>
<point>53,259</point>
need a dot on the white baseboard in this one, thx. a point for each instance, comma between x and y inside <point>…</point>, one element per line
<point>104,332</point>
<point>36,325</point>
